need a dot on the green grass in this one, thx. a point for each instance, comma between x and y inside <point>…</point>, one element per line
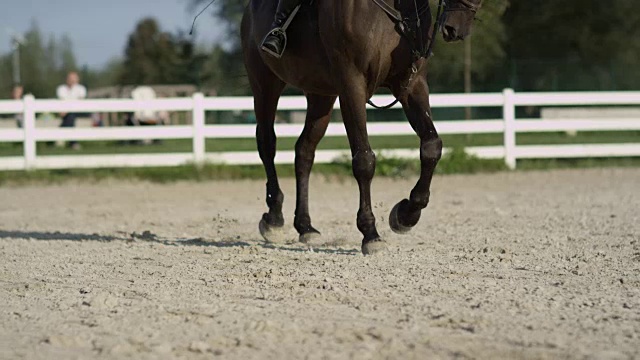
<point>377,142</point>
<point>456,161</point>
<point>548,164</point>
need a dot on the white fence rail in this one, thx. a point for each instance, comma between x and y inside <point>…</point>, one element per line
<point>198,132</point>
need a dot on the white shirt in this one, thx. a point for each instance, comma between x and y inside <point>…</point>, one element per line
<point>142,93</point>
<point>71,93</point>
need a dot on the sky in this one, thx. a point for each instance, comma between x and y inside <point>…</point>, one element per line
<point>99,28</point>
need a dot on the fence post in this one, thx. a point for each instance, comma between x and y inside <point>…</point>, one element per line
<point>198,129</point>
<point>509,115</point>
<point>29,127</point>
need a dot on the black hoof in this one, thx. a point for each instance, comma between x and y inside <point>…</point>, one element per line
<point>272,233</point>
<point>373,247</point>
<point>394,220</point>
<point>308,234</point>
<point>311,238</point>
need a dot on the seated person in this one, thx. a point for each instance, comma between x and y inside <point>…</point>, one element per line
<point>146,117</point>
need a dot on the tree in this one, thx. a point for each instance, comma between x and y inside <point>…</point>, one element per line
<point>224,71</point>
<point>224,68</point>
<point>107,76</point>
<point>43,68</point>
<point>66,57</point>
<point>574,45</point>
<point>153,56</point>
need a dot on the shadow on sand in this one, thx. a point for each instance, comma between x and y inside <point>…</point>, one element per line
<point>150,237</point>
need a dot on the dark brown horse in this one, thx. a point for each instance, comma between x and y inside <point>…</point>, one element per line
<point>345,49</point>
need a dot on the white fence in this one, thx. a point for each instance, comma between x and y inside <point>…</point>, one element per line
<point>198,132</point>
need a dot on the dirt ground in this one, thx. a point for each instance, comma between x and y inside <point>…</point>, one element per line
<point>525,265</point>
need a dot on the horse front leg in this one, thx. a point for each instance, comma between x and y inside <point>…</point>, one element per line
<point>266,89</point>
<point>415,102</point>
<point>318,115</point>
<point>352,104</point>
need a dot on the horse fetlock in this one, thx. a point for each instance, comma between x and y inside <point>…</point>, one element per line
<point>273,218</point>
<point>418,200</point>
<point>366,223</point>
<point>302,223</point>
<point>404,217</point>
<point>275,197</point>
<point>368,228</point>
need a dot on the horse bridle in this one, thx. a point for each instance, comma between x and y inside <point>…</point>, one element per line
<point>405,29</point>
<point>440,19</point>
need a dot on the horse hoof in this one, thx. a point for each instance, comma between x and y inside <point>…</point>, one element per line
<point>311,238</point>
<point>272,234</point>
<point>374,247</point>
<point>394,222</point>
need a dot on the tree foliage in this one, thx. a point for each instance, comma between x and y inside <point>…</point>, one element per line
<point>529,45</point>
<point>574,45</point>
<point>44,63</point>
<point>153,56</point>
<point>224,68</point>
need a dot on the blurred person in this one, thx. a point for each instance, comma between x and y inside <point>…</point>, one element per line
<point>16,94</point>
<point>71,90</point>
<point>146,117</point>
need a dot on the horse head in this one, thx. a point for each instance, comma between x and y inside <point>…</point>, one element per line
<point>458,18</point>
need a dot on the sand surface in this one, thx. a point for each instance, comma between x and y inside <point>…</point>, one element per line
<point>526,265</point>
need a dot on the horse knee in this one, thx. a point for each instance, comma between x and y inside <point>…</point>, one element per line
<point>364,164</point>
<point>305,155</point>
<point>431,150</point>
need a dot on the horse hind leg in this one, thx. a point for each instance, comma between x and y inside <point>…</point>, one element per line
<point>415,101</point>
<point>318,115</point>
<point>267,87</point>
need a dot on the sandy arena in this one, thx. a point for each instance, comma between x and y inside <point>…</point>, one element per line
<point>525,265</point>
